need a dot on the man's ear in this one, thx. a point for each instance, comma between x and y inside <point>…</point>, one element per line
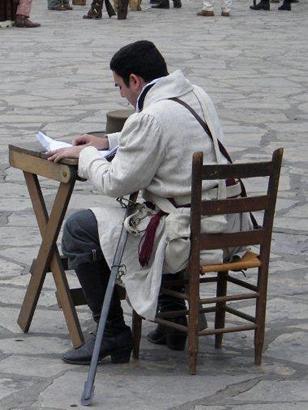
<point>135,81</point>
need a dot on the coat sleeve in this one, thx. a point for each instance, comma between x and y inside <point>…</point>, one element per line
<point>141,151</point>
<point>113,139</point>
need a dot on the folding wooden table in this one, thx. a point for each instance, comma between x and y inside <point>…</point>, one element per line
<point>32,161</point>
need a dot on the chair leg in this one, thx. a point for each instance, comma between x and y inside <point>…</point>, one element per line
<point>192,346</point>
<point>193,326</point>
<point>220,307</point>
<point>136,330</point>
<point>260,316</point>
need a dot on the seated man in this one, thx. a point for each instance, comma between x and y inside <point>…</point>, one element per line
<point>154,156</point>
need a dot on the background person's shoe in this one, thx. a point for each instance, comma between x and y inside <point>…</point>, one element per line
<point>68,7</point>
<point>95,11</point>
<point>263,5</point>
<point>163,4</point>
<point>286,5</point>
<point>206,13</point>
<point>177,4</point>
<point>25,22</point>
<point>225,13</point>
<point>60,7</point>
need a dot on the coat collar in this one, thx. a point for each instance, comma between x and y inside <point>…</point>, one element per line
<point>172,85</point>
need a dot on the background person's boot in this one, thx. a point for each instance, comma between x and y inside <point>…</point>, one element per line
<point>286,5</point>
<point>122,9</point>
<point>263,5</point>
<point>95,11</point>
<point>162,4</point>
<point>177,4</point>
<point>25,22</point>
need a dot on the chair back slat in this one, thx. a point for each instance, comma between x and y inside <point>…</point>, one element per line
<point>251,170</point>
<point>226,240</point>
<point>234,205</point>
<point>263,202</point>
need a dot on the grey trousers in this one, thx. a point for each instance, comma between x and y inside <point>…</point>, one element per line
<point>80,240</point>
<point>80,244</point>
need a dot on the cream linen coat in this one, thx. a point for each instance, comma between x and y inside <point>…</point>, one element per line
<point>154,155</point>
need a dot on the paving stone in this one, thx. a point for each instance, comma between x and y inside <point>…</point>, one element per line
<point>44,321</point>
<point>24,344</point>
<point>23,366</point>
<point>276,391</point>
<point>8,269</point>
<point>125,391</point>
<point>291,346</point>
<point>9,385</point>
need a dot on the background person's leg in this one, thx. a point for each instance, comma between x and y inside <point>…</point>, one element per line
<point>23,13</point>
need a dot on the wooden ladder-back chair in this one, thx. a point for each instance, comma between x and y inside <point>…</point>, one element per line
<point>196,274</point>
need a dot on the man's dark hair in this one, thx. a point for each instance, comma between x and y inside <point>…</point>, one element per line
<point>141,58</point>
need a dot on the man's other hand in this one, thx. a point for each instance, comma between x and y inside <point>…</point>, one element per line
<point>70,152</point>
<point>91,140</point>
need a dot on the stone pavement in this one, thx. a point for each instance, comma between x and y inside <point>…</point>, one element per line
<point>56,78</point>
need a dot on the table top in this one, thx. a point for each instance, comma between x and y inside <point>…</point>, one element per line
<point>36,150</point>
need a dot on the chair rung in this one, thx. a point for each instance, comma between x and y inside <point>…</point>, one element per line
<point>242,283</point>
<point>170,292</point>
<point>248,261</point>
<point>236,312</point>
<point>208,310</point>
<point>64,262</point>
<point>238,296</point>
<point>243,328</point>
<point>172,313</point>
<point>208,279</point>
<point>171,324</point>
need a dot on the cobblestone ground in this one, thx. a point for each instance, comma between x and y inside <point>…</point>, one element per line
<point>56,78</point>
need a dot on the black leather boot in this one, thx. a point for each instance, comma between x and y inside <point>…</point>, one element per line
<point>162,4</point>
<point>94,278</point>
<point>263,5</point>
<point>117,340</point>
<point>286,5</point>
<point>117,345</point>
<point>173,338</point>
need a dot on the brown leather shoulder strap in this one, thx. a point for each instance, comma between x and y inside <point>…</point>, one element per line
<point>204,126</point>
<point>221,148</point>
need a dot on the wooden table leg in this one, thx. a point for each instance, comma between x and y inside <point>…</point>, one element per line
<point>49,256</point>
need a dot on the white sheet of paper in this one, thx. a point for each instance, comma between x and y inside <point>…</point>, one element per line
<point>50,145</point>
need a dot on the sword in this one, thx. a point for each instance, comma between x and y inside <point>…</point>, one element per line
<point>89,387</point>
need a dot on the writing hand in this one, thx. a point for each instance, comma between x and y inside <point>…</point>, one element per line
<point>91,140</point>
